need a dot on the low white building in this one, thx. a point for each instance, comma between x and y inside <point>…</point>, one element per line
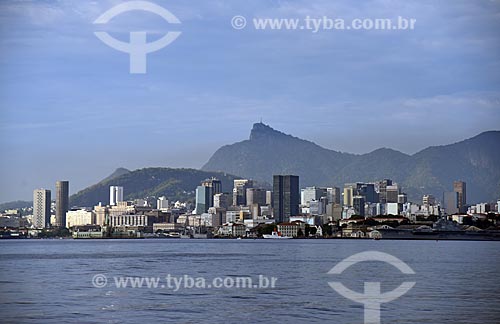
<point>80,217</point>
<point>233,230</point>
<point>292,228</point>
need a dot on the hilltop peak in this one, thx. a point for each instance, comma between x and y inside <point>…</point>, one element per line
<point>261,130</point>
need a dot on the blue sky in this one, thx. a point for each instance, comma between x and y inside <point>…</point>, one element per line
<point>69,109</point>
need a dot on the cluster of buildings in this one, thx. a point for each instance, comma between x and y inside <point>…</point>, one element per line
<point>245,208</point>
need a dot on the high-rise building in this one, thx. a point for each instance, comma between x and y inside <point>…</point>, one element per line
<point>333,195</point>
<point>221,200</point>
<point>205,194</point>
<point>460,188</point>
<point>382,190</point>
<point>428,200</point>
<point>41,208</point>
<point>115,195</point>
<point>312,193</point>
<point>358,203</point>
<point>213,183</point>
<point>392,193</point>
<point>62,202</point>
<point>349,193</point>
<point>162,203</point>
<point>256,196</point>
<point>202,199</point>
<point>450,201</point>
<point>286,197</point>
<point>240,191</point>
<point>366,190</point>
<point>269,198</point>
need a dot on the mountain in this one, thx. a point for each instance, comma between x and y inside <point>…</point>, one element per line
<point>15,205</point>
<point>118,172</point>
<point>430,171</point>
<point>176,184</point>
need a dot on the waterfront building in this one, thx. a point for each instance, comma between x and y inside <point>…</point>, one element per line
<point>292,228</point>
<point>168,227</point>
<point>80,217</point>
<point>131,220</point>
<point>232,229</point>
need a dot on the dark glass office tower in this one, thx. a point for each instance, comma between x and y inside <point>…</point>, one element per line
<point>460,188</point>
<point>62,202</point>
<point>286,197</point>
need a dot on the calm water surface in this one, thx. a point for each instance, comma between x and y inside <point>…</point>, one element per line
<point>44,281</point>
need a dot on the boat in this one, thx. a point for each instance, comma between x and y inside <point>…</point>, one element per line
<point>443,229</point>
<point>275,235</point>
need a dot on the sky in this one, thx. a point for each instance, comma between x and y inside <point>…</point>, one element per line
<point>70,109</point>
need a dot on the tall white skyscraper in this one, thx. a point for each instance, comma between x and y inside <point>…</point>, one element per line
<point>41,208</point>
<point>115,195</point>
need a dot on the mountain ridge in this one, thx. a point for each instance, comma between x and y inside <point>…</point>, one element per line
<point>431,170</point>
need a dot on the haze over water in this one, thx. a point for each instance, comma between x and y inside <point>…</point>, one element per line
<point>51,281</point>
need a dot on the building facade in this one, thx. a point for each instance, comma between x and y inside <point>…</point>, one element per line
<point>162,203</point>
<point>115,195</point>
<point>62,202</point>
<point>461,189</point>
<point>286,197</point>
<point>240,191</point>
<point>41,208</point>
<point>80,217</point>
